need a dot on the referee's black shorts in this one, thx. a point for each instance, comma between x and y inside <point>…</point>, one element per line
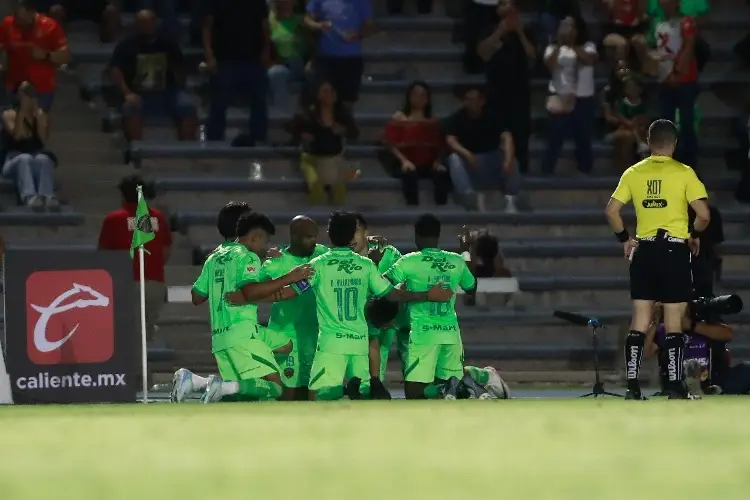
<point>661,271</point>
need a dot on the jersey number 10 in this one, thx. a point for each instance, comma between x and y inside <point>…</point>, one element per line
<point>347,302</point>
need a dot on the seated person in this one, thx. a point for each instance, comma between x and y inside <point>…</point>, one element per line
<point>288,39</point>
<point>482,153</point>
<point>630,119</point>
<point>415,142</point>
<point>149,71</point>
<point>627,20</point>
<point>706,366</point>
<point>486,259</point>
<point>25,129</point>
<point>323,128</point>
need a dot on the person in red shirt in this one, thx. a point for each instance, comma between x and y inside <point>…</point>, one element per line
<point>35,46</point>
<point>416,141</point>
<point>117,234</point>
<point>627,20</point>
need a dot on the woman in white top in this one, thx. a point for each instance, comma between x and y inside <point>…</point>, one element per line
<point>571,103</point>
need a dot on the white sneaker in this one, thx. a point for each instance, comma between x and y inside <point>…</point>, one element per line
<point>182,385</point>
<point>213,390</point>
<point>693,371</point>
<point>510,205</point>
<point>496,385</point>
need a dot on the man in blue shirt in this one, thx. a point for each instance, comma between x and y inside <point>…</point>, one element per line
<point>341,26</point>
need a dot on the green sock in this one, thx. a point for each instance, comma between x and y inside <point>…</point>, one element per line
<point>432,391</point>
<point>330,393</point>
<point>259,388</point>
<point>481,375</point>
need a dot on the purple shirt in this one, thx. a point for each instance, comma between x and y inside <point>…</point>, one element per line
<point>696,347</point>
<point>346,16</point>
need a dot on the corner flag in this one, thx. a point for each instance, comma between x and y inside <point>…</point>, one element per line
<point>143,232</point>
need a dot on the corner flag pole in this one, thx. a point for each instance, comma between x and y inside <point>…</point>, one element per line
<point>143,232</point>
<point>144,347</point>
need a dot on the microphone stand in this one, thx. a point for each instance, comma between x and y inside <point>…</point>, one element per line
<point>598,389</point>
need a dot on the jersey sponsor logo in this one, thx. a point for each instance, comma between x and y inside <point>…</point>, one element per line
<point>70,325</point>
<point>653,195</point>
<point>351,336</point>
<point>441,263</point>
<point>347,266</point>
<point>439,328</point>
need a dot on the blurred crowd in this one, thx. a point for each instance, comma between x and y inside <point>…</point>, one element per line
<point>304,60</point>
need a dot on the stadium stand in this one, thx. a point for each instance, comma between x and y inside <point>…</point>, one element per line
<point>560,251</point>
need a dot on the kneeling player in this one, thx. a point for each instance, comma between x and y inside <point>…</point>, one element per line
<point>246,362</point>
<point>342,281</point>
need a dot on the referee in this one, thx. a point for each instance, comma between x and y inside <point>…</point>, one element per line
<point>660,269</point>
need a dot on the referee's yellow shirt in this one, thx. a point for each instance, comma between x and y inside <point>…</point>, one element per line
<point>661,189</point>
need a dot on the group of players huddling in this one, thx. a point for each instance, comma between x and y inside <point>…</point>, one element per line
<point>336,313</point>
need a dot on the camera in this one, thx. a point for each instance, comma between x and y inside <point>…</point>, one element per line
<point>710,308</point>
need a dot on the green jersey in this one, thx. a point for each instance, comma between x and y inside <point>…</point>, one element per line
<point>230,267</point>
<point>390,256</point>
<point>342,282</point>
<point>433,322</point>
<point>294,317</point>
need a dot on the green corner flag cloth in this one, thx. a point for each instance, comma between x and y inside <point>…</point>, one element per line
<point>143,231</point>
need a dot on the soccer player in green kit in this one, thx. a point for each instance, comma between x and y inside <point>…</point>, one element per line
<point>296,318</point>
<point>434,359</point>
<point>343,280</point>
<point>246,361</point>
<point>381,339</point>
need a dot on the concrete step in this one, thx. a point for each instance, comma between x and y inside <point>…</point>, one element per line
<point>404,232</point>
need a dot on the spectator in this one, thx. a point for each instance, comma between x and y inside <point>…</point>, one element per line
<point>509,52</point>
<point>552,13</point>
<point>341,26</point>
<point>105,13</point>
<point>35,45</point>
<point>678,76</point>
<point>482,155</point>
<point>707,264</point>
<point>169,21</point>
<point>237,45</point>
<point>149,70</point>
<point>416,142</point>
<point>25,129</point>
<point>627,20</point>
<point>481,15</point>
<point>117,234</point>
<point>288,50</point>
<point>571,104</point>
<point>323,128</point>
<point>630,119</point>
<point>487,261</point>
<point>396,7</point>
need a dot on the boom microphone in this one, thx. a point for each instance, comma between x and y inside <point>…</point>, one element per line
<point>576,319</point>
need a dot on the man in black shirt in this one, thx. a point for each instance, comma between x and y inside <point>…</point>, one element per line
<point>149,71</point>
<point>482,154</point>
<point>509,53</point>
<point>707,264</point>
<point>237,46</point>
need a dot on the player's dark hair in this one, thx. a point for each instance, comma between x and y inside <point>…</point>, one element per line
<point>427,226</point>
<point>254,220</point>
<point>361,219</point>
<point>380,312</point>
<point>662,133</point>
<point>128,187</point>
<point>229,215</point>
<point>341,228</point>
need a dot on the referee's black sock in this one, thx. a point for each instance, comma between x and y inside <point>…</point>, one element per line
<point>634,347</point>
<point>673,346</point>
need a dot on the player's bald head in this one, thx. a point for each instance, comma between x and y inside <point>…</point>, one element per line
<point>301,224</point>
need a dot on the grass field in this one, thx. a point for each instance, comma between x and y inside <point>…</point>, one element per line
<point>509,450</point>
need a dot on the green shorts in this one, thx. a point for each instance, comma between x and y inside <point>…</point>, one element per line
<point>330,370</point>
<point>427,362</point>
<point>295,370</point>
<point>252,359</point>
<point>387,337</point>
<point>272,338</point>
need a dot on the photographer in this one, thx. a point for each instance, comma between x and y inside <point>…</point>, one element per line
<point>481,250</point>
<point>705,361</point>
